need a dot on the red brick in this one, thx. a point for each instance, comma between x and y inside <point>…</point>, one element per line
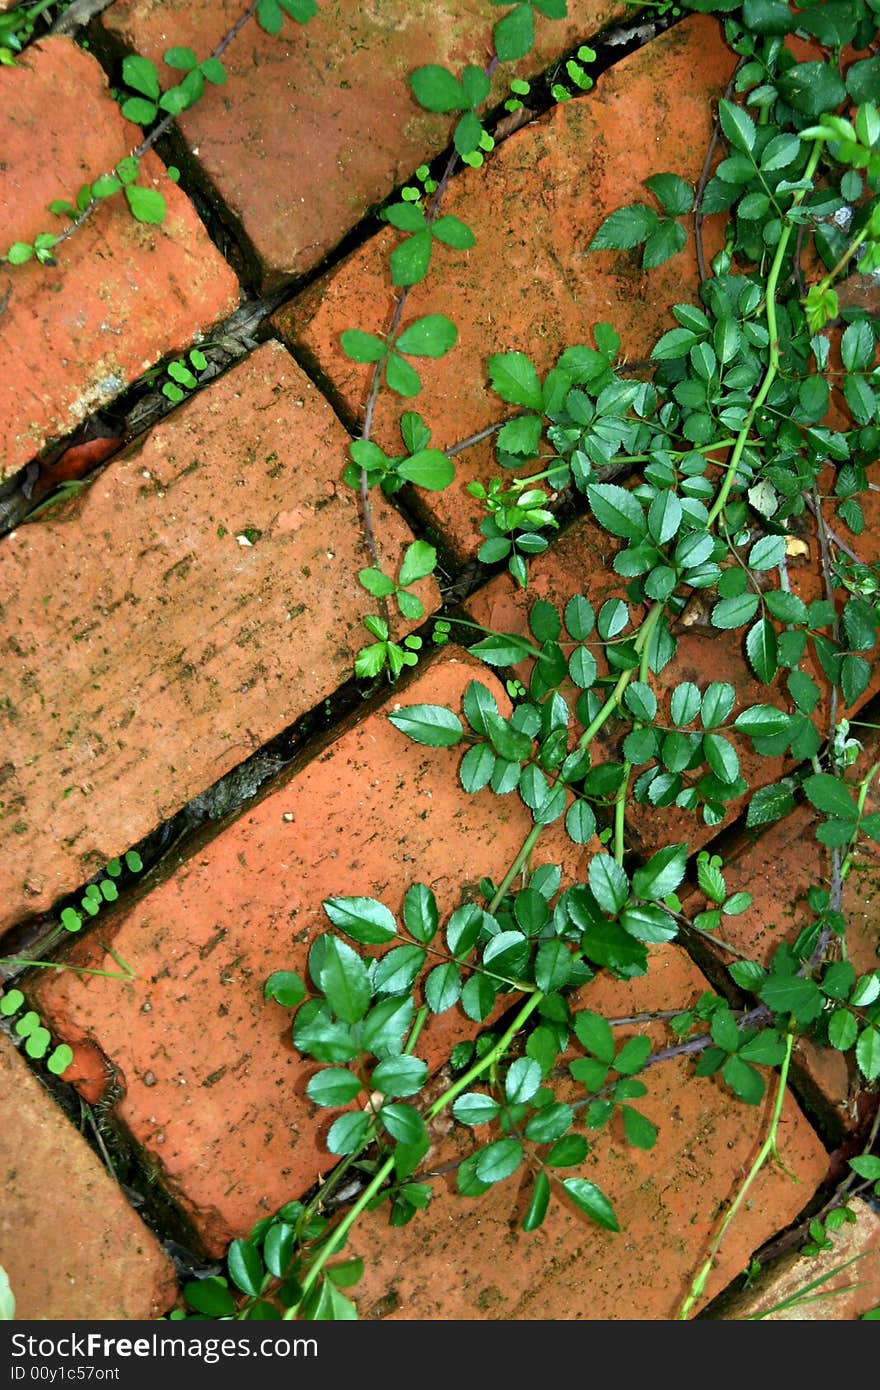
<point>124,293</point>
<point>150,650</point>
<point>527,284</point>
<point>213,1088</point>
<point>467,1258</point>
<point>317,124</point>
<point>844,1295</point>
<point>72,1246</point>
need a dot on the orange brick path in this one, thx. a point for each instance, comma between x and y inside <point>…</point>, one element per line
<point>201,595</point>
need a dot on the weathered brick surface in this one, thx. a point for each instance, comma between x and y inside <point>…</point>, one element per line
<point>843,1295</point>
<point>213,1088</point>
<point>150,648</point>
<point>468,1258</point>
<point>317,124</point>
<point>73,1247</point>
<point>123,294</point>
<point>527,283</point>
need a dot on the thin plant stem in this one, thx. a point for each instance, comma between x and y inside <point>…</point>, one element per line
<point>767,1149</point>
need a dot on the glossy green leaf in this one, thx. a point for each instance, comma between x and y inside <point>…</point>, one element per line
<point>431,725</point>
<point>592,1201</point>
<point>363,919</point>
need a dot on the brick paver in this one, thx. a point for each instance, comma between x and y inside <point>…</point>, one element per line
<point>193,602</point>
<point>841,1295</point>
<point>317,125</point>
<point>123,293</point>
<point>668,1201</point>
<point>70,1242</point>
<point>214,1090</point>
<point>527,284</point>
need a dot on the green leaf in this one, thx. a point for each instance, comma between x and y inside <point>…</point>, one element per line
<point>333,1086</point>
<point>811,88</point>
<point>767,1048</point>
<point>344,980</point>
<point>759,721</point>
<point>522,1080</point>
<point>140,111</point>
<point>685,704</point>
<point>141,75</point>
<point>868,1053</point>
<point>383,1029</point>
<point>453,232</point>
<point>286,988</point>
<point>672,193</point>
<point>443,987</point>
<point>594,1032</point>
<point>828,794</point>
<point>617,510</point>
<point>553,966</point>
<point>664,242</point>
<point>538,1203</point>
<point>475,1108</point>
<point>420,913</point>
<point>717,702</point>
<point>515,34</point>
<point>502,649</point>
<point>362,347</point>
<point>639,1130</point>
<point>647,923</point>
<point>737,125</point>
<point>676,343</point>
<point>410,260</point>
<point>430,336</point>
<point>514,379</point>
<point>181,58</point>
<point>396,972</point>
<point>632,1056</point>
<point>580,822</point>
<point>478,998</point>
<point>767,553</point>
<point>476,768</point>
<point>549,1123</point>
<point>608,883</point>
<point>499,1160</point>
<point>770,804</point>
<point>625,228</point>
<point>592,1201</point>
<point>662,874</point>
<point>791,994</point>
<point>418,562</point>
<point>400,1076</point>
<point>363,919</point>
<point>349,1133</point>
<point>521,436</point>
<point>403,1122</point>
<point>430,469</point>
<point>436,89</point>
<point>401,376</point>
<point>210,1296</point>
<point>734,612</point>
<point>431,725</point>
<point>762,650</point>
<point>743,1080</point>
<point>245,1266</point>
